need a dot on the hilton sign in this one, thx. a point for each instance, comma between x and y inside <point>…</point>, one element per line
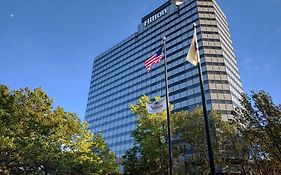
<point>155,17</point>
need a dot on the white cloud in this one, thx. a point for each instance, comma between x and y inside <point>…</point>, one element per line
<point>246,61</point>
<point>250,64</point>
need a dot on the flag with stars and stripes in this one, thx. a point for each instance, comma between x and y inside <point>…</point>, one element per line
<point>154,59</point>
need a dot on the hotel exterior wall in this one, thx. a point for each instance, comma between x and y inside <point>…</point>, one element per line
<point>219,58</point>
<point>119,77</point>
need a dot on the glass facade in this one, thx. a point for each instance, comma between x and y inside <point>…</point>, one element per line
<point>119,77</point>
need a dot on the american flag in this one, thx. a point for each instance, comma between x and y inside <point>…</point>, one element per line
<point>155,58</point>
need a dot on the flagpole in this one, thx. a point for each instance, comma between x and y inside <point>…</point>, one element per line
<point>206,119</point>
<point>168,111</point>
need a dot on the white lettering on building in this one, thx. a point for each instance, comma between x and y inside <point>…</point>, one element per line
<point>155,17</point>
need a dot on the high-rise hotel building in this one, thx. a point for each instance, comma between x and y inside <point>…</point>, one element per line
<point>119,77</point>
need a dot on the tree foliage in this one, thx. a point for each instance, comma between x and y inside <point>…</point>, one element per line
<point>258,125</point>
<point>38,139</point>
<point>190,140</point>
<point>149,154</point>
<point>247,144</point>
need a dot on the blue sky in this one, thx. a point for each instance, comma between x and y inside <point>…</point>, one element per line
<point>52,44</point>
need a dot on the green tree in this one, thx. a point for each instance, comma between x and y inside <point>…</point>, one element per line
<point>247,144</point>
<point>258,124</point>
<point>38,139</point>
<point>191,142</point>
<point>250,143</point>
<point>149,154</point>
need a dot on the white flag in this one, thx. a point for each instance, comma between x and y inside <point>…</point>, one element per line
<point>177,2</point>
<point>193,53</point>
<point>157,106</point>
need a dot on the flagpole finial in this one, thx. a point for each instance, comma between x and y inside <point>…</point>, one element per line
<point>194,25</point>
